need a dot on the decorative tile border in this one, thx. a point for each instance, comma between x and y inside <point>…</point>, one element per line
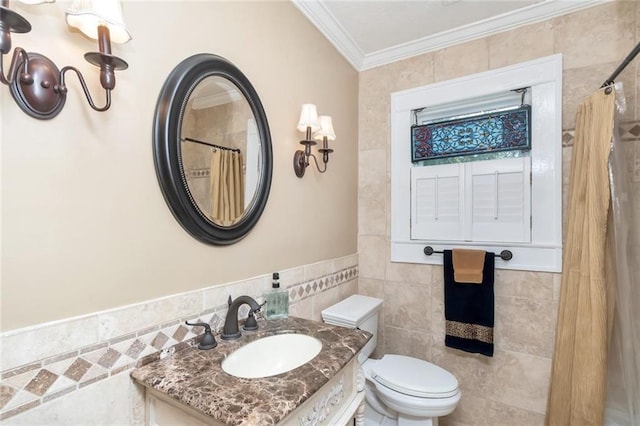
<point>28,386</point>
<point>567,137</point>
<point>629,131</point>
<point>308,289</point>
<point>198,173</point>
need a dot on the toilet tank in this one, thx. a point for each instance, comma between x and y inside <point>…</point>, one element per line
<point>360,312</point>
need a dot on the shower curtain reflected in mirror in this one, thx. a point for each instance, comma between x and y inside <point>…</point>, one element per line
<point>227,187</point>
<point>623,373</point>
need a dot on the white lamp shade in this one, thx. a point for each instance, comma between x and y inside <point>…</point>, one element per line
<point>86,15</point>
<point>308,118</point>
<point>326,129</point>
<point>36,1</point>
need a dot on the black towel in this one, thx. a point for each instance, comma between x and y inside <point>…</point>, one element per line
<point>468,309</point>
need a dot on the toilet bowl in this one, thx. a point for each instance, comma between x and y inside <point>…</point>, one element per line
<point>407,391</point>
<point>399,390</point>
<point>412,388</point>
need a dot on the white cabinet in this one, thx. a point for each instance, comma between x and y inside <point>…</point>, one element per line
<point>338,402</point>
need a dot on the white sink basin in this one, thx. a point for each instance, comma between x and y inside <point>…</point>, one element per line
<point>271,355</point>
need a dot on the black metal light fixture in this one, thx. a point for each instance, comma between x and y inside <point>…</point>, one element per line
<point>322,129</point>
<point>35,82</point>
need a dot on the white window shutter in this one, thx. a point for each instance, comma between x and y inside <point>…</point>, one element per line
<point>437,204</point>
<point>499,197</point>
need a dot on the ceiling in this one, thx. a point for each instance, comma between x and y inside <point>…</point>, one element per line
<point>370,33</point>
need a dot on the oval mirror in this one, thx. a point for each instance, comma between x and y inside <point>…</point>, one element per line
<point>212,149</point>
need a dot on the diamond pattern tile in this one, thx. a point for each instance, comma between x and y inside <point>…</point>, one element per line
<point>41,382</point>
<point>6,393</point>
<point>180,333</point>
<point>159,341</point>
<point>26,387</point>
<point>567,137</point>
<point>136,348</point>
<point>77,369</point>
<point>216,321</point>
<point>109,358</point>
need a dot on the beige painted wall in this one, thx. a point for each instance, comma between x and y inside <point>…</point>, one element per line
<point>510,388</point>
<point>84,224</point>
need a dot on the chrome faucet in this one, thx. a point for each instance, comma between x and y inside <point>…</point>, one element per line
<point>230,330</point>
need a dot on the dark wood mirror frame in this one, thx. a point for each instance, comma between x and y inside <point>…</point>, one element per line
<point>167,127</point>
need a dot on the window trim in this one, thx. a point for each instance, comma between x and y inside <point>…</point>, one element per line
<point>544,76</point>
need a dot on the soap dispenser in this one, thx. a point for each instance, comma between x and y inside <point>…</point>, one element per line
<point>277,300</point>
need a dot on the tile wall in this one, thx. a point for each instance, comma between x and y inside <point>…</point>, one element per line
<point>510,388</point>
<point>76,371</point>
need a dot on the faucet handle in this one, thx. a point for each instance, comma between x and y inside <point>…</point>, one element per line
<point>208,340</point>
<point>250,323</point>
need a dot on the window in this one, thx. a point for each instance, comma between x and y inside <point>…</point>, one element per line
<point>512,203</point>
<point>485,201</point>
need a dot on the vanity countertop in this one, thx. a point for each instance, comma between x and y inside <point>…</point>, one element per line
<point>195,377</point>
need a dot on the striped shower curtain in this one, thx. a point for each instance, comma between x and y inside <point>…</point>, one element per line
<point>227,187</point>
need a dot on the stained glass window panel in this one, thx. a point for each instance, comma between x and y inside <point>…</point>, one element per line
<point>494,131</point>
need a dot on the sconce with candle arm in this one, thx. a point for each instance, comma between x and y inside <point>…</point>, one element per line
<point>35,82</point>
<point>322,129</point>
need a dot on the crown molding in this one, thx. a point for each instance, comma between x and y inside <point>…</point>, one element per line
<point>324,20</point>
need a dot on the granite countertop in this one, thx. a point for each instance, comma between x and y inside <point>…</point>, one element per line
<point>195,377</point>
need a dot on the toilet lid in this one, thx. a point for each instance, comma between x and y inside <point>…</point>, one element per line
<point>414,377</point>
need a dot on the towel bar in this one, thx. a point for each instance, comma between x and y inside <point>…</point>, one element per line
<point>504,254</point>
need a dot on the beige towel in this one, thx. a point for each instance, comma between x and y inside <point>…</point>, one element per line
<point>468,265</point>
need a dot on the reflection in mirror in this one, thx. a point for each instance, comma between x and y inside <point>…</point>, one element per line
<point>212,149</point>
<point>220,150</point>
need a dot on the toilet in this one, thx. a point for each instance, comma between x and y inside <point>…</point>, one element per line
<point>400,390</point>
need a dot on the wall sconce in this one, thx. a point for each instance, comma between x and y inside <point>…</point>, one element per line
<point>35,82</point>
<point>322,129</point>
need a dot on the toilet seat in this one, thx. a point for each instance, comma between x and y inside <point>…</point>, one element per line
<point>417,406</point>
<point>414,377</point>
